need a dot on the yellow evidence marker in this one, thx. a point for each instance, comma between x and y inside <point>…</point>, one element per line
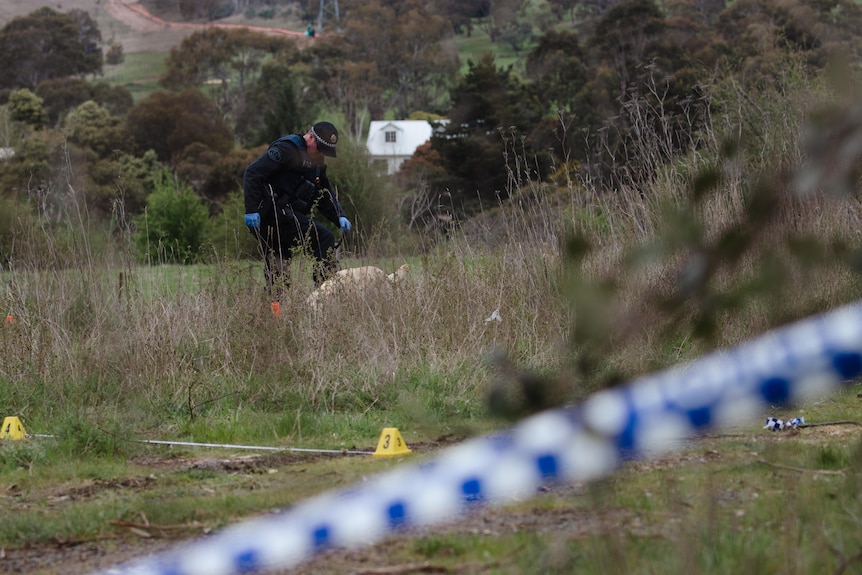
<point>12,429</point>
<point>391,444</point>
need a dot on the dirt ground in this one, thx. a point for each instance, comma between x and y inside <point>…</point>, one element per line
<point>138,540</point>
<point>83,557</point>
<point>135,540</point>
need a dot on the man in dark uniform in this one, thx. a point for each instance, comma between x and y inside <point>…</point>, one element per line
<point>282,187</point>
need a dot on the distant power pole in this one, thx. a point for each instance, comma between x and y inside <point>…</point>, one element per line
<point>331,11</point>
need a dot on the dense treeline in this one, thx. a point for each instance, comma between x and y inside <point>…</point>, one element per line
<point>600,79</point>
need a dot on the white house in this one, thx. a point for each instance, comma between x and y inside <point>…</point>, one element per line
<point>394,141</point>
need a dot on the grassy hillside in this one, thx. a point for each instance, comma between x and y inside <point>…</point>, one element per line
<point>146,44</point>
<point>10,9</point>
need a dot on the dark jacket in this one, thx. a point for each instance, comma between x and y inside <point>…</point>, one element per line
<point>295,182</point>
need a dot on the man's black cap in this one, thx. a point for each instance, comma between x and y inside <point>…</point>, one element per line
<point>326,136</point>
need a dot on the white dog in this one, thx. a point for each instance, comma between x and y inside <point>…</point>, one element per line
<point>361,280</point>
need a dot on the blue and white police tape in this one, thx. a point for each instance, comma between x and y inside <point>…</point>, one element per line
<point>581,443</point>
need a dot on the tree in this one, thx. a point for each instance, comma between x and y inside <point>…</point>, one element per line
<point>272,106</point>
<point>762,37</point>
<point>64,94</point>
<point>133,180</point>
<point>843,20</point>
<point>503,14</point>
<point>231,60</point>
<point>225,177</point>
<point>556,66</point>
<point>560,78</point>
<point>99,149</point>
<point>428,62</point>
<point>93,127</point>
<point>48,44</point>
<point>357,88</point>
<point>222,54</point>
<point>625,37</point>
<point>28,108</point>
<point>642,103</point>
<point>492,109</point>
<point>560,7</point>
<point>461,13</point>
<point>169,122</point>
<point>89,36</point>
<point>208,10</point>
<point>282,115</point>
<point>31,160</point>
<point>391,56</point>
<point>115,54</point>
<point>516,34</point>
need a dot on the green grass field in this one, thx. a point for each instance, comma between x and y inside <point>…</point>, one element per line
<point>473,48</point>
<point>139,73</point>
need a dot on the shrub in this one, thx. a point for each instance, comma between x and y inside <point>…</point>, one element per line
<point>12,212</point>
<point>27,107</point>
<point>115,54</point>
<point>226,235</point>
<point>171,229</point>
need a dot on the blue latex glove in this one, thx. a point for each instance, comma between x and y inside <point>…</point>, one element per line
<point>253,220</point>
<point>344,224</point>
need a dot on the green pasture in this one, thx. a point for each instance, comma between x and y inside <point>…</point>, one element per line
<point>139,73</point>
<point>474,47</point>
<point>743,500</point>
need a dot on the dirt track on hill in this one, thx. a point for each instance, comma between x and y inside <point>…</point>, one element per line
<point>139,20</point>
<point>132,14</point>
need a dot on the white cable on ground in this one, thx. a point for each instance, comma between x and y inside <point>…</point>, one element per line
<point>581,443</point>
<point>253,447</point>
<point>234,446</point>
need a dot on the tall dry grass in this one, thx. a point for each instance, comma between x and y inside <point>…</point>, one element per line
<point>746,232</point>
<point>593,286</point>
<point>171,344</point>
